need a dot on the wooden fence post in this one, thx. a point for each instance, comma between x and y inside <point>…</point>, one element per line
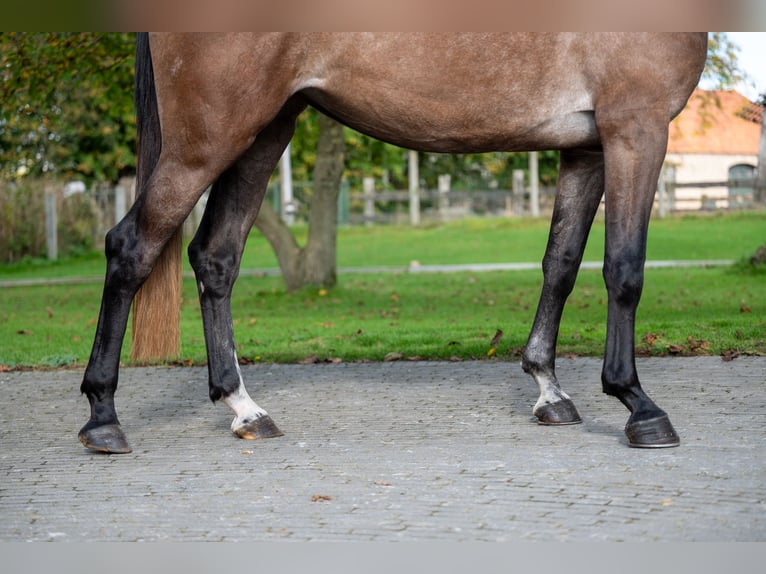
<point>517,200</point>
<point>51,223</point>
<point>444,182</point>
<point>662,195</point>
<point>368,191</point>
<point>759,193</point>
<point>534,185</point>
<point>344,204</point>
<point>120,200</point>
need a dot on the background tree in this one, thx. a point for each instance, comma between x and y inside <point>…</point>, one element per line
<point>722,65</point>
<point>316,262</point>
<point>67,105</point>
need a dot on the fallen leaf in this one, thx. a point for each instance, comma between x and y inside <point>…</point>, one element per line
<point>320,498</point>
<point>24,332</point>
<point>667,502</point>
<point>247,452</point>
<point>744,309</point>
<point>698,346</point>
<point>491,352</point>
<point>650,338</point>
<point>675,349</point>
<point>49,310</point>
<point>310,360</point>
<point>729,355</point>
<point>393,357</point>
<point>5,369</point>
<point>322,292</point>
<point>382,483</point>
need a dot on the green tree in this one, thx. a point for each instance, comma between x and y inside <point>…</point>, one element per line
<point>722,67</point>
<point>67,105</point>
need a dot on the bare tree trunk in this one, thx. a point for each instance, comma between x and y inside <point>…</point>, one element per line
<point>283,243</point>
<point>316,263</point>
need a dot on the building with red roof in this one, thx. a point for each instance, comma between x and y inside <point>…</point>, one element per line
<point>714,139</point>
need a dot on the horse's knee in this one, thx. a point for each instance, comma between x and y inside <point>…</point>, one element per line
<point>126,263</point>
<point>215,270</point>
<point>560,271</point>
<point>624,279</point>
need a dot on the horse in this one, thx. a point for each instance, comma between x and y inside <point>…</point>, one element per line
<point>219,109</point>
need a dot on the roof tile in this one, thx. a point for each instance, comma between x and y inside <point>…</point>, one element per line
<point>717,122</point>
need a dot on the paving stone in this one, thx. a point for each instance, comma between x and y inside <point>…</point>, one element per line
<point>391,451</point>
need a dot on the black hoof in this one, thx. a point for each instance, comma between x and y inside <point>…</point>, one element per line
<point>262,427</point>
<point>652,433</point>
<point>562,412</point>
<point>105,438</point>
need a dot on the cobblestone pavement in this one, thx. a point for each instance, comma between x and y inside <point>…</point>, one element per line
<point>388,451</point>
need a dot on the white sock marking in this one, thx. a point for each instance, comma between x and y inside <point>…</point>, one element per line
<point>245,409</point>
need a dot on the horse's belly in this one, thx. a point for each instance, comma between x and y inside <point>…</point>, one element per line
<point>460,127</point>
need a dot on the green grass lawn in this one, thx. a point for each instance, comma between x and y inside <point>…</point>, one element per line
<point>695,236</point>
<point>429,316</point>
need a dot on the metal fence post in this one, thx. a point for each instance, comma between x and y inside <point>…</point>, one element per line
<point>286,187</point>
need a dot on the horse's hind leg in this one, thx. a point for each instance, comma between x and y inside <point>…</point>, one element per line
<point>580,188</point>
<point>132,247</point>
<point>634,151</point>
<point>215,255</point>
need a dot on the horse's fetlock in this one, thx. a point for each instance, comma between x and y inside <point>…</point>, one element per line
<point>533,365</point>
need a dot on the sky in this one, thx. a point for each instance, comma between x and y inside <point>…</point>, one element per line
<point>752,59</point>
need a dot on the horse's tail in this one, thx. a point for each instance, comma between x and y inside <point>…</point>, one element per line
<point>157,306</point>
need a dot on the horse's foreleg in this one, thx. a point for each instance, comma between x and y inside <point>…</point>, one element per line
<point>580,187</point>
<point>633,161</point>
<point>215,255</point>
